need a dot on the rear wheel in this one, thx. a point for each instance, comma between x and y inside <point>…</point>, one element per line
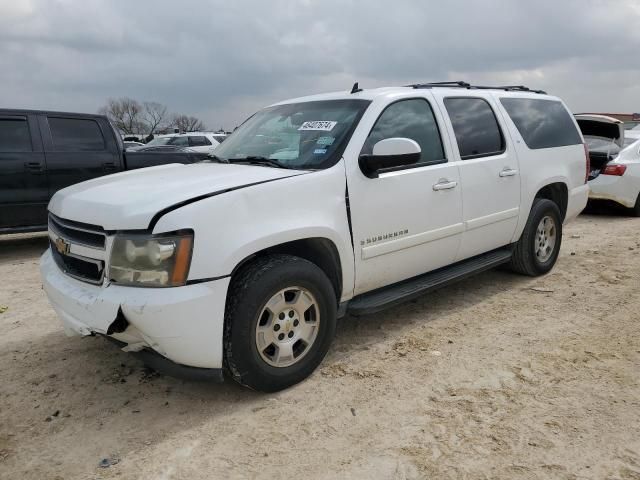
<point>537,250</point>
<point>279,322</point>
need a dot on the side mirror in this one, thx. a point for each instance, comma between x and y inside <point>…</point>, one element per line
<point>390,153</point>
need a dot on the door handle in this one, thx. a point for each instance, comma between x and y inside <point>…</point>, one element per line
<point>444,185</point>
<point>34,167</point>
<point>109,167</point>
<point>508,172</point>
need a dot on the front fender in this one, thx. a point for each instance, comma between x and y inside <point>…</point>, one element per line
<point>235,225</point>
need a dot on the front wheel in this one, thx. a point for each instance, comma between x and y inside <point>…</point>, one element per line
<point>279,322</point>
<point>537,250</point>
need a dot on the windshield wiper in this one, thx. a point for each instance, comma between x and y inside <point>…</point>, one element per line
<point>257,160</point>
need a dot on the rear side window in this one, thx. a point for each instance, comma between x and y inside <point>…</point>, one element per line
<point>199,141</point>
<point>179,141</point>
<point>476,128</point>
<point>76,135</point>
<point>411,119</point>
<point>14,135</point>
<point>542,123</point>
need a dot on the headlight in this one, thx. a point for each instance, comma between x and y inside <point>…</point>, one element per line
<point>151,260</point>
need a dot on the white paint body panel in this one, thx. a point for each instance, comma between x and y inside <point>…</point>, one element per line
<point>624,189</point>
<point>183,324</point>
<point>129,200</point>
<point>402,226</point>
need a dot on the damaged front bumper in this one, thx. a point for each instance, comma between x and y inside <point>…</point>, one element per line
<point>182,324</point>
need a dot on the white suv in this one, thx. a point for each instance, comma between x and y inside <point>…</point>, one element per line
<point>347,202</point>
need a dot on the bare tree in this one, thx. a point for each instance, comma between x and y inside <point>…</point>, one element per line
<point>125,114</point>
<point>155,117</point>
<point>131,117</point>
<point>187,123</point>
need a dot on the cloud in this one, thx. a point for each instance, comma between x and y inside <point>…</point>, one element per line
<point>223,60</point>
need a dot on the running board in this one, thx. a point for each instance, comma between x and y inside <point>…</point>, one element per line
<point>408,289</point>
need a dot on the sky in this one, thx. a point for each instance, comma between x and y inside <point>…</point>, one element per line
<point>223,60</point>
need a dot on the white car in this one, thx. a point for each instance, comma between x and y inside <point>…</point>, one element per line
<point>202,142</point>
<point>615,160</point>
<point>245,262</point>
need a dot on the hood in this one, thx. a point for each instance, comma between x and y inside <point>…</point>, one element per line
<point>129,200</point>
<point>602,128</point>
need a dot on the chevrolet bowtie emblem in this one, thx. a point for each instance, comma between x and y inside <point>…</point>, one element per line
<point>62,246</point>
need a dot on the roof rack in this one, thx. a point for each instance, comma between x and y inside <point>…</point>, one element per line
<point>468,86</point>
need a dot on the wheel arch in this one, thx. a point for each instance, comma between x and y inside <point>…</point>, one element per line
<point>558,193</point>
<point>320,251</point>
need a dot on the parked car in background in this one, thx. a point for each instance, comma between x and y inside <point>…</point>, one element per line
<point>42,152</point>
<point>314,207</point>
<point>128,145</point>
<point>201,142</point>
<point>614,153</point>
<point>163,148</point>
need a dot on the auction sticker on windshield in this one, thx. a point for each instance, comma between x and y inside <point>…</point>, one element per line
<point>319,125</point>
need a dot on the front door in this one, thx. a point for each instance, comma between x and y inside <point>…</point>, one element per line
<point>23,176</point>
<point>489,175</point>
<point>407,221</point>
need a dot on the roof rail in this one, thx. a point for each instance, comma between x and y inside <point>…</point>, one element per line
<point>468,86</point>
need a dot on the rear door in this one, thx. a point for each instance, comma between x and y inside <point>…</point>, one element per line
<point>23,177</point>
<point>489,174</point>
<point>77,149</point>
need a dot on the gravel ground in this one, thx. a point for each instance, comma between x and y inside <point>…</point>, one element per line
<point>500,377</point>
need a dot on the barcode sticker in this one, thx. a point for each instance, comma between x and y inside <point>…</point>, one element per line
<point>318,125</point>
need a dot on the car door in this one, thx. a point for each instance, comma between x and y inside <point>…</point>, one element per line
<point>489,174</point>
<point>23,177</point>
<point>407,221</point>
<point>77,149</point>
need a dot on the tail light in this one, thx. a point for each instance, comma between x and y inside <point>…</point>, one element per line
<point>587,163</point>
<point>614,169</point>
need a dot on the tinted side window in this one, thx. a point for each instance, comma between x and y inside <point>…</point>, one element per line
<point>14,135</point>
<point>76,134</point>
<point>199,141</point>
<point>542,123</point>
<point>412,119</point>
<point>179,141</point>
<point>476,128</point>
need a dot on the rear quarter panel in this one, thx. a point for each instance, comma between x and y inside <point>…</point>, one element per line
<point>541,167</point>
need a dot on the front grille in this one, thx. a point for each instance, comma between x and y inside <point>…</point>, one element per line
<point>78,249</point>
<point>80,233</point>
<point>80,268</point>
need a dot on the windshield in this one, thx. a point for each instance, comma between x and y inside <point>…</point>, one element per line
<point>158,141</point>
<point>309,135</point>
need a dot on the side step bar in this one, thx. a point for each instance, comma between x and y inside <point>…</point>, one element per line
<point>395,294</point>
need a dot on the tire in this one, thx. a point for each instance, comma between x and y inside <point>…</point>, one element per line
<point>256,354</point>
<point>635,211</point>
<point>529,257</point>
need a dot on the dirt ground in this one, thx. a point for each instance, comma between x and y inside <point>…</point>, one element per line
<point>500,377</point>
